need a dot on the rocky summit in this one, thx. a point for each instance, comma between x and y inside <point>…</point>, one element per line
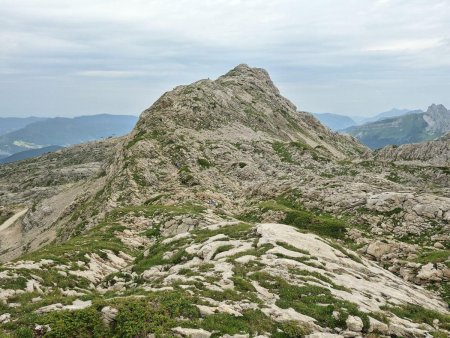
<point>226,212</point>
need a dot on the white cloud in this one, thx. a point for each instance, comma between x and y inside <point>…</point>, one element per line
<point>109,73</point>
<point>407,45</point>
<point>163,43</point>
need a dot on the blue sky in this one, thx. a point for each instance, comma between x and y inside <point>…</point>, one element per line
<point>356,57</point>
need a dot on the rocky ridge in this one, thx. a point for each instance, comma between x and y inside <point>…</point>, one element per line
<point>435,152</point>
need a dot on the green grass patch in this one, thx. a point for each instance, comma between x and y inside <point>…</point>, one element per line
<point>256,251</point>
<point>311,300</point>
<point>153,232</point>
<point>153,210</point>
<point>251,322</point>
<point>157,313</point>
<point>13,283</point>
<point>420,314</point>
<point>156,256</point>
<point>394,177</point>
<point>204,163</point>
<point>138,137</point>
<point>235,231</point>
<point>307,260</point>
<point>438,256</point>
<point>319,276</point>
<point>96,240</point>
<point>139,179</point>
<point>81,323</point>
<point>305,220</point>
<point>282,151</point>
<point>186,176</point>
<point>250,217</point>
<point>5,216</point>
<point>345,252</point>
<point>102,237</point>
<point>292,248</point>
<point>223,248</point>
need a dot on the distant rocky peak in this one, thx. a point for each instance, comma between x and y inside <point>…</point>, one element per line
<point>438,119</point>
<point>446,137</point>
<point>437,109</point>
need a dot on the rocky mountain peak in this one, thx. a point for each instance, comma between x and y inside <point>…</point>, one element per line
<point>435,109</point>
<point>243,98</point>
<point>244,95</point>
<point>243,74</point>
<point>438,119</point>
<point>237,121</point>
<point>245,70</point>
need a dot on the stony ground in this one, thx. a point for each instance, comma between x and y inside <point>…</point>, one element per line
<point>227,213</point>
<point>435,152</point>
<point>47,189</point>
<point>224,276</point>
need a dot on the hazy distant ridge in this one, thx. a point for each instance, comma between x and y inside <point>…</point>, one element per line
<point>10,124</point>
<point>63,131</point>
<point>339,122</point>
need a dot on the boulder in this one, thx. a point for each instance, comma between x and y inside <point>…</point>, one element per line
<point>378,249</point>
<point>378,327</point>
<point>108,314</point>
<point>429,272</point>
<point>5,318</point>
<point>407,332</point>
<point>354,324</point>
<point>192,333</point>
<point>76,305</point>
<point>439,245</point>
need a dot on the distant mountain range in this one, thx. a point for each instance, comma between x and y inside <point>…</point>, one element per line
<point>37,133</point>
<point>412,127</point>
<point>29,154</point>
<point>389,114</point>
<point>10,124</point>
<point>335,121</point>
<point>339,122</point>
